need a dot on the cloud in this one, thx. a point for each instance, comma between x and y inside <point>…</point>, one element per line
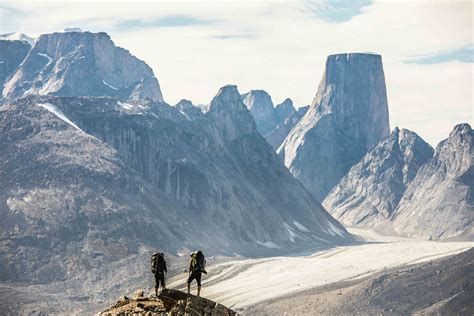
<point>236,36</point>
<point>163,21</point>
<point>337,10</point>
<point>463,54</point>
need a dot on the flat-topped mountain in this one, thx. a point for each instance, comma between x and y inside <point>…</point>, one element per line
<point>81,64</point>
<point>349,114</point>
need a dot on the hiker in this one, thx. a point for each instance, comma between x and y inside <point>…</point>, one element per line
<point>158,268</point>
<point>197,266</point>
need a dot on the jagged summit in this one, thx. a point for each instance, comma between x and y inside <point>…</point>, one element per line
<point>463,128</point>
<point>348,115</point>
<point>369,194</point>
<point>439,204</point>
<point>82,64</point>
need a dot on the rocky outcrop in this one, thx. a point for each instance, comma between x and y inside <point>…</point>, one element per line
<point>369,194</point>
<point>439,202</point>
<point>348,115</point>
<point>169,302</point>
<point>58,64</point>
<point>12,53</point>
<point>260,104</point>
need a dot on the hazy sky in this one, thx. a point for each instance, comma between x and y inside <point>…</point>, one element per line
<point>195,47</point>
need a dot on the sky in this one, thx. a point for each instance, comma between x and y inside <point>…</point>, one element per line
<point>196,47</point>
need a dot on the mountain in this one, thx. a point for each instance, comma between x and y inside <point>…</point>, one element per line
<point>218,165</point>
<point>81,64</point>
<point>69,202</point>
<point>260,104</point>
<point>12,53</point>
<point>369,194</point>
<point>349,114</point>
<point>439,202</point>
<point>89,180</point>
<point>279,133</point>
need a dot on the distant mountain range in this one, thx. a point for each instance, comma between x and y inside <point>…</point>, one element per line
<point>96,167</point>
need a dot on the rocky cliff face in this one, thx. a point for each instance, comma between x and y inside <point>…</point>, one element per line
<point>12,53</point>
<point>217,164</point>
<point>369,194</point>
<point>439,202</point>
<point>69,202</point>
<point>348,115</point>
<point>82,64</point>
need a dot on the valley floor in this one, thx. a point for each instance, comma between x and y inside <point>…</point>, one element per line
<point>247,283</point>
<point>341,280</point>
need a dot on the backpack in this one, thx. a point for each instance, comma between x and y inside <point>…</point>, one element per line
<point>158,262</point>
<point>198,262</point>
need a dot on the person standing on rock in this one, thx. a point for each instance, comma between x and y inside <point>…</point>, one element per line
<point>158,268</point>
<point>197,266</point>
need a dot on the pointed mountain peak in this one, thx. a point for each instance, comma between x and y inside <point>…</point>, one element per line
<point>227,98</point>
<point>230,114</point>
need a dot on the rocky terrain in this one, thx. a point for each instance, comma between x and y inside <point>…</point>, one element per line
<point>439,202</point>
<point>349,114</point>
<point>58,63</point>
<point>441,287</point>
<point>369,194</point>
<point>169,302</point>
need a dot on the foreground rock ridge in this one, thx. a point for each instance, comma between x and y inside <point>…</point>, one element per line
<point>58,63</point>
<point>169,302</point>
<point>349,114</point>
<point>369,194</point>
<point>439,202</point>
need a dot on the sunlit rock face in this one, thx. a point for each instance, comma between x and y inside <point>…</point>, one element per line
<point>81,64</point>
<point>349,114</point>
<point>369,194</point>
<point>439,202</point>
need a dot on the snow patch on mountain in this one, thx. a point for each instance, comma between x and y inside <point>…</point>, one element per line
<point>51,108</point>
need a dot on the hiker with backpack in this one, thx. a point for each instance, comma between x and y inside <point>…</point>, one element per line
<point>197,266</point>
<point>158,268</point>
